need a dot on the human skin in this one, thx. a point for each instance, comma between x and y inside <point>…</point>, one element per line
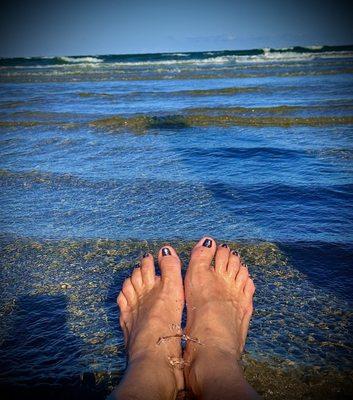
<point>219,302</point>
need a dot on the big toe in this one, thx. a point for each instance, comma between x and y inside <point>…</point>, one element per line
<point>202,254</point>
<point>170,266</point>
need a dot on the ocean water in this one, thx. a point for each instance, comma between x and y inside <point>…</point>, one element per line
<point>104,157</point>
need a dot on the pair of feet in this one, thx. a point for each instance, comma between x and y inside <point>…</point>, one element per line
<point>219,296</point>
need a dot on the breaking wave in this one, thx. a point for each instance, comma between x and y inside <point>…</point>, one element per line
<point>80,60</point>
<point>266,55</point>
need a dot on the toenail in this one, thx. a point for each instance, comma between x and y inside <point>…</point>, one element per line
<point>137,265</point>
<point>235,253</point>
<point>166,251</point>
<point>145,255</point>
<point>207,243</point>
<point>224,245</point>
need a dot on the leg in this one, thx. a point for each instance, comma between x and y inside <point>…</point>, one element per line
<point>150,308</point>
<point>219,302</point>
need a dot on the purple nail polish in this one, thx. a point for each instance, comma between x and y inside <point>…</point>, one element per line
<point>207,243</point>
<point>137,265</point>
<point>235,253</point>
<point>166,251</point>
<point>224,245</point>
<point>145,255</point>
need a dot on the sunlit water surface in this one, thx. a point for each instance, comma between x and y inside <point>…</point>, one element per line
<point>103,160</point>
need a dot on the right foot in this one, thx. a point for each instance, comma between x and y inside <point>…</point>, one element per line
<point>219,302</point>
<point>150,309</point>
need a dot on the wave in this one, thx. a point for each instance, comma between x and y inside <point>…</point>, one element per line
<point>266,191</point>
<point>9,178</point>
<point>217,91</point>
<point>345,105</point>
<point>287,54</point>
<point>142,123</point>
<point>279,115</point>
<point>243,152</point>
<point>268,56</point>
<point>99,73</point>
<point>314,47</point>
<point>265,152</point>
<point>222,117</point>
<point>79,60</point>
<point>176,54</point>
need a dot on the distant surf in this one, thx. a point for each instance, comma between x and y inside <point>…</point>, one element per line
<point>240,56</point>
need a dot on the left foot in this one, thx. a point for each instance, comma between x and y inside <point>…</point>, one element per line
<point>220,303</point>
<point>150,309</point>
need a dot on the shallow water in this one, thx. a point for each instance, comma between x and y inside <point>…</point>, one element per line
<point>254,149</point>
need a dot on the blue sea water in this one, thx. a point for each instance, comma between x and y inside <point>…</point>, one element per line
<point>79,161</point>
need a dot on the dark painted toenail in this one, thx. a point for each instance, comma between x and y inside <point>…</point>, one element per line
<point>166,251</point>
<point>224,245</point>
<point>207,243</point>
<point>138,265</point>
<point>145,255</point>
<point>235,253</point>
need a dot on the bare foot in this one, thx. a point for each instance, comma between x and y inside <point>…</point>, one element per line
<point>219,302</point>
<point>150,309</point>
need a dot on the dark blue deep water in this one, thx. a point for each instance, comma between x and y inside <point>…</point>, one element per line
<point>106,155</point>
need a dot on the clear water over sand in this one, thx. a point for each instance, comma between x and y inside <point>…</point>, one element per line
<point>103,158</point>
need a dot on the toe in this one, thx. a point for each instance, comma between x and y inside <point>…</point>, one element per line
<point>124,310</point>
<point>247,303</point>
<point>136,280</point>
<point>122,302</point>
<point>170,265</point>
<point>129,292</point>
<point>249,289</point>
<point>123,306</point>
<point>221,258</point>
<point>246,322</point>
<point>241,278</point>
<point>202,254</point>
<point>233,263</point>
<point>147,270</point>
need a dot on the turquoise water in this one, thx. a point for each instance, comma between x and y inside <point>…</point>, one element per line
<point>252,147</point>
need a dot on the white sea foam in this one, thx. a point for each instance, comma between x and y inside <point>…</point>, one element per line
<point>268,56</point>
<point>81,60</point>
<point>289,56</point>
<point>275,57</point>
<point>314,47</point>
<point>175,54</point>
<point>211,60</point>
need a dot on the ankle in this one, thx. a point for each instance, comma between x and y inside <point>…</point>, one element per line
<point>216,343</point>
<point>206,365</point>
<point>149,370</point>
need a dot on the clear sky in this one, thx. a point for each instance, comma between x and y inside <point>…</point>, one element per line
<point>77,27</point>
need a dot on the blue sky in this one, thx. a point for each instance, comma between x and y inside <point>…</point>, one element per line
<point>37,27</point>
